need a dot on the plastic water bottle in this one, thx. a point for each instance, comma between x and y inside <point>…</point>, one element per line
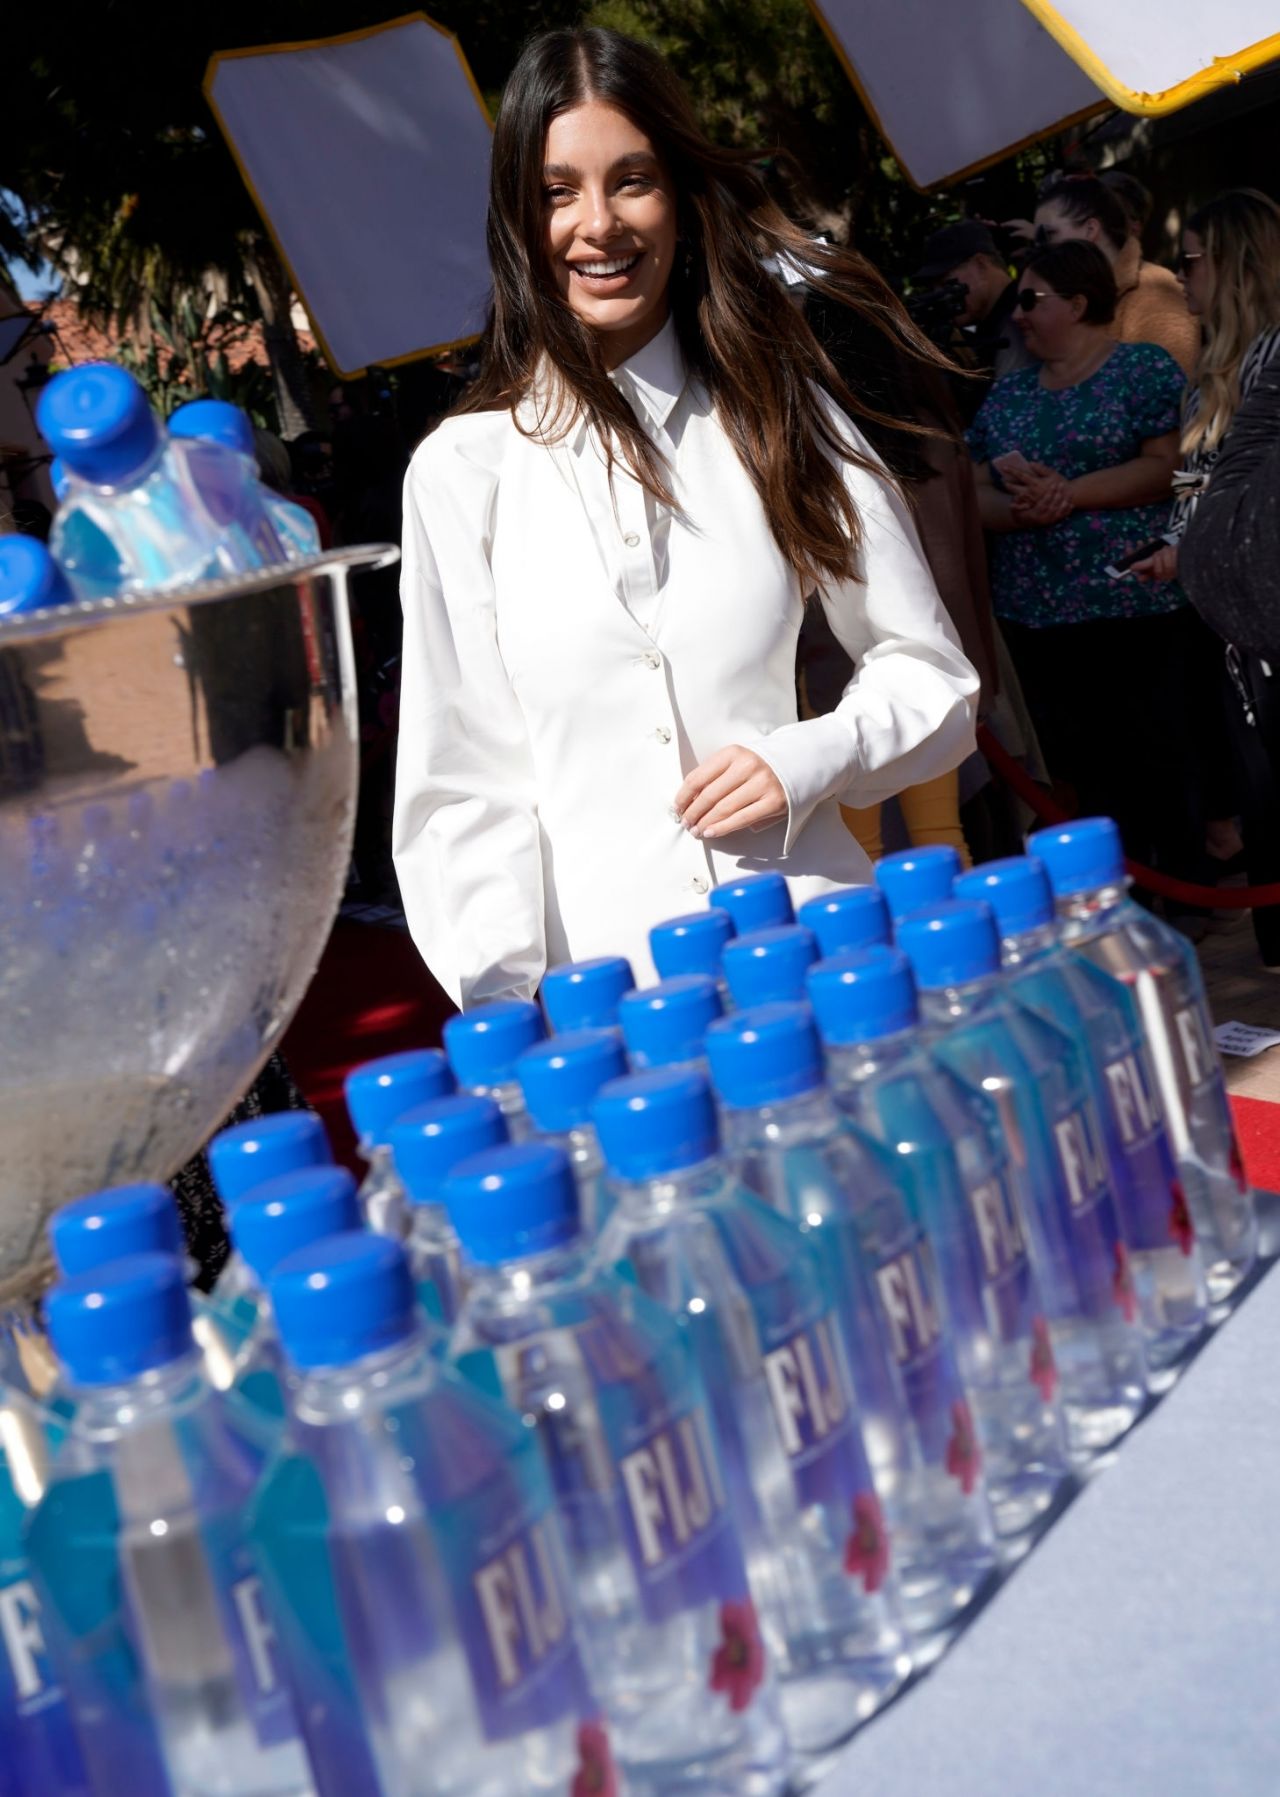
<point>412,1556</point>
<point>665,1025</point>
<point>144,514</point>
<point>1099,1016</point>
<point>850,918</point>
<point>112,1225</point>
<point>755,902</point>
<point>606,1379</point>
<point>560,1079</point>
<point>378,1094</point>
<point>30,579</point>
<point>1158,967</point>
<point>585,995</point>
<point>427,1144</point>
<point>691,944</point>
<point>787,1142</point>
<point>957,1171</point>
<point>59,479</point>
<point>1038,1100</point>
<point>768,967</point>
<point>751,1293</point>
<point>918,877</point>
<point>139,1552</point>
<point>483,1047</point>
<point>247,1155</point>
<point>217,421</point>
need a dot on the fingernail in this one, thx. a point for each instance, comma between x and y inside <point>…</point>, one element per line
<point>696,831</point>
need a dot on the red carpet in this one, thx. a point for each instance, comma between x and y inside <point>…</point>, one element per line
<point>1258,1124</point>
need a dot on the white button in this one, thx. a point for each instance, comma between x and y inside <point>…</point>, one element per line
<point>631,540</point>
<point>651,660</point>
<point>698,883</point>
<point>663,734</point>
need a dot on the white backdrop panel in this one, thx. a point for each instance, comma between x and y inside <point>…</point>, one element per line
<point>1143,54</point>
<point>369,159</point>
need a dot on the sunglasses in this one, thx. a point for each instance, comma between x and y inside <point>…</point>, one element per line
<point>1187,258</point>
<point>1029,298</point>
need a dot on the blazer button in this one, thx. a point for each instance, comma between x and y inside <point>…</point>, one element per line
<point>631,540</point>
<point>663,734</point>
<point>698,883</point>
<point>650,660</point>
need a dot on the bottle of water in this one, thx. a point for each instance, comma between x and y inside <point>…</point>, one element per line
<point>1158,967</point>
<point>427,1144</point>
<point>249,1154</point>
<point>140,1556</point>
<point>217,421</point>
<point>1037,1099</point>
<point>768,967</point>
<point>691,944</point>
<point>918,877</point>
<point>144,514</point>
<point>850,918</point>
<point>666,1025</point>
<point>785,1139</point>
<point>585,995</point>
<point>751,1294</point>
<point>605,1378</point>
<point>411,1553</point>
<point>378,1094</point>
<point>958,1172</point>
<point>1101,1020</point>
<point>483,1047</point>
<point>30,579</point>
<point>560,1079</point>
<point>755,902</point>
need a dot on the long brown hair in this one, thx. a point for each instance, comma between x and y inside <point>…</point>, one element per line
<point>1240,231</point>
<point>741,337</point>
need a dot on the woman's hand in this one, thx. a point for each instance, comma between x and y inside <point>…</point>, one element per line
<point>1163,565</point>
<point>1040,495</point>
<point>734,789</point>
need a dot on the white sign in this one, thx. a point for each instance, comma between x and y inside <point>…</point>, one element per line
<point>1243,1039</point>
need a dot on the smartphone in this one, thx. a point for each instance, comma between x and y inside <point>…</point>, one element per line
<point>1122,567</point>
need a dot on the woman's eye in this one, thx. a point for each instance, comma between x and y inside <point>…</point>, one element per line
<point>557,194</point>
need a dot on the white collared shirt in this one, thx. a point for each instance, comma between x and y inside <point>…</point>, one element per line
<point>571,652</point>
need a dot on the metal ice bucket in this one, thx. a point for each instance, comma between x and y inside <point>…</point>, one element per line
<point>177,792</point>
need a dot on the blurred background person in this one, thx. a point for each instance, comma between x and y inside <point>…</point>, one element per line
<point>966,256</point>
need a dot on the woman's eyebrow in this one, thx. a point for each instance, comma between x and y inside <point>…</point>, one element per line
<point>565,171</point>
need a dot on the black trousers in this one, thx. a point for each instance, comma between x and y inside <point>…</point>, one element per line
<point>1252,699</point>
<point>1127,711</point>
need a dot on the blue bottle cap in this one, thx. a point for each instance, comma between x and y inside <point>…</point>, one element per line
<point>853,917</point>
<point>511,1202</point>
<point>863,996</point>
<point>59,479</point>
<point>584,995</point>
<point>663,1025</point>
<point>274,1220</point>
<point>30,579</point>
<point>1081,856</point>
<point>1017,889</point>
<point>951,944</point>
<point>113,1224</point>
<point>380,1092</point>
<point>657,1122</point>
<point>560,1077</point>
<point>112,1323</point>
<point>918,877</point>
<point>483,1045</point>
<point>244,1155</point>
<point>691,944</point>
<point>765,1055</point>
<point>756,902</point>
<point>96,417</point>
<point>768,966</point>
<point>428,1142</point>
<point>338,1300</point>
<point>214,421</point>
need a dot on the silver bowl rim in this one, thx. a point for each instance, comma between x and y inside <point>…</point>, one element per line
<point>54,620</point>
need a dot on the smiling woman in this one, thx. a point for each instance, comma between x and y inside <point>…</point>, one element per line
<point>609,546</point>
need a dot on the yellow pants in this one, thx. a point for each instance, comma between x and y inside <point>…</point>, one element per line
<point>931,813</point>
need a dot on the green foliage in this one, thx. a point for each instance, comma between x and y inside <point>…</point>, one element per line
<point>186,358</point>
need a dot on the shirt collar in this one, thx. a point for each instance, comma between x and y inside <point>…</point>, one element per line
<point>653,379</point>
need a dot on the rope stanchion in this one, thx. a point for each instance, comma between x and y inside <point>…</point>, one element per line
<point>1049,811</point>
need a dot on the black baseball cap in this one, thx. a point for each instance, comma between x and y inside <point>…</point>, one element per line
<point>953,244</point>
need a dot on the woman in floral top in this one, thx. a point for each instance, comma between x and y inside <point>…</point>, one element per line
<point>1075,459</point>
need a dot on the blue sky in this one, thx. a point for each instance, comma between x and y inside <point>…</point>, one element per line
<point>31,284</point>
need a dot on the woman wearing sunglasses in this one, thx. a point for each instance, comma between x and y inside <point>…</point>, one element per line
<point>1075,459</point>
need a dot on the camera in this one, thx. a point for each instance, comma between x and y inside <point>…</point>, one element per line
<point>936,309</point>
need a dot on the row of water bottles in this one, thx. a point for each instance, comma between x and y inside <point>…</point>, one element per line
<point>673,1383</point>
<point>145,506</point>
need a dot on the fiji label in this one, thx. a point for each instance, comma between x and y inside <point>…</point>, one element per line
<point>907,1287</point>
<point>1080,1157</point>
<point>1199,1062</point>
<point>253,1646</point>
<point>516,1629</point>
<point>681,1546</point>
<point>813,1409</point>
<point>32,1678</point>
<point>1158,1213</point>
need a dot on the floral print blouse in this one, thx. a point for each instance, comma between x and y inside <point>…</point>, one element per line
<point>1057,574</point>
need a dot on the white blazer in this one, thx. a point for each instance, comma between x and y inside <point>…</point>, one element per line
<point>571,653</point>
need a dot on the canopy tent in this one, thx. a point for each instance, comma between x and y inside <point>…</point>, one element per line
<point>954,87</point>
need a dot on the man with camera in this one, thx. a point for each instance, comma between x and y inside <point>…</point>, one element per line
<point>967,304</point>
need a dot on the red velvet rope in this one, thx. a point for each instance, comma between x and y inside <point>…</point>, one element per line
<point>1047,809</point>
